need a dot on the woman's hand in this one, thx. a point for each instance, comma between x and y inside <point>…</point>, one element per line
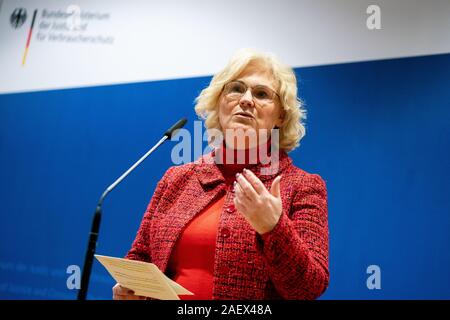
<point>122,293</point>
<point>260,207</point>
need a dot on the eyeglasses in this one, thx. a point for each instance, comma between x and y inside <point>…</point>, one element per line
<point>262,95</point>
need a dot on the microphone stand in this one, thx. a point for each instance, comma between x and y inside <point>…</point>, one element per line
<point>95,228</point>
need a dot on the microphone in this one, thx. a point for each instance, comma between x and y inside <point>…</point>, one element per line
<point>93,235</point>
<point>180,123</point>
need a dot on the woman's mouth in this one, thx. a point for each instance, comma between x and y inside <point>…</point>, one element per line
<point>244,115</point>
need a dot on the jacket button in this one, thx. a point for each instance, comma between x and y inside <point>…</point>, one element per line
<point>225,233</point>
<point>230,208</point>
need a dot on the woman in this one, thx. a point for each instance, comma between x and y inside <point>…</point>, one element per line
<point>228,229</point>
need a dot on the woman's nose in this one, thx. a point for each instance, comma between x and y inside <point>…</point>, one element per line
<point>246,100</point>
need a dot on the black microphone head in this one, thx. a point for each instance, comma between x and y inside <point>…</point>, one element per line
<point>180,123</point>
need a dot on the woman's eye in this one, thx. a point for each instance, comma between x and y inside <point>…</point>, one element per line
<point>237,88</point>
<point>261,94</point>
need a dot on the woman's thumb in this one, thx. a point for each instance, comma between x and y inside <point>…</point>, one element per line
<point>275,188</point>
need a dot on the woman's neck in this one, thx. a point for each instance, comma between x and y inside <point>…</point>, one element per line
<point>231,161</point>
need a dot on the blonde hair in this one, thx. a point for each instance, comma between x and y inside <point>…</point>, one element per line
<point>292,129</point>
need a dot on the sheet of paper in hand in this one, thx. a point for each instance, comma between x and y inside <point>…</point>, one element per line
<point>144,278</point>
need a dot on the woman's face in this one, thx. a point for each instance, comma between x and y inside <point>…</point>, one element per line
<point>257,117</point>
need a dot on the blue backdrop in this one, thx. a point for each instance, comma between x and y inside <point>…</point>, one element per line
<point>377,132</point>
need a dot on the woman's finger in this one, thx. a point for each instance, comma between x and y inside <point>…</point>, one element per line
<point>240,206</point>
<point>238,191</point>
<point>119,289</point>
<point>241,197</point>
<point>257,184</point>
<point>246,187</point>
<point>275,188</point>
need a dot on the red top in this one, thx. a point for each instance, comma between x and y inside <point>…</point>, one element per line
<point>192,260</point>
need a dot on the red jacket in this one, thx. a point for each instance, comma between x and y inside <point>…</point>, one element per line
<point>289,262</point>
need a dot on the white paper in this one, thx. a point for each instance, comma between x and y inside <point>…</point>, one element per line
<point>144,278</point>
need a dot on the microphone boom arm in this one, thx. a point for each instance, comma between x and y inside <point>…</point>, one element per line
<point>95,227</point>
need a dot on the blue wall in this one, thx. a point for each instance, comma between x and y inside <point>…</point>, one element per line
<point>377,132</point>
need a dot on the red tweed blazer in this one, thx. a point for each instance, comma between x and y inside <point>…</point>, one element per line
<point>289,262</point>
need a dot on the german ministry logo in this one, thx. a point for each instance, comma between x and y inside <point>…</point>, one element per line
<point>18,17</point>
